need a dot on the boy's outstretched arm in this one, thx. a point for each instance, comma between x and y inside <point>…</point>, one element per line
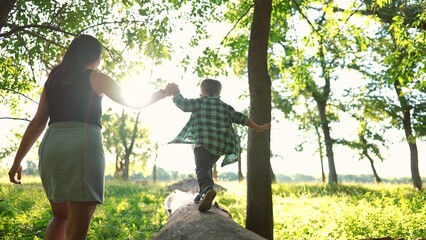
<point>256,127</point>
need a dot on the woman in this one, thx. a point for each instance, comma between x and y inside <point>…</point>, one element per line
<point>71,153</point>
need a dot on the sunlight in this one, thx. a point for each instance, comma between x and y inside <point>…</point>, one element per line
<point>136,91</point>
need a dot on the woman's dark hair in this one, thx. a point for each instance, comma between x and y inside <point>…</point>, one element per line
<point>82,51</point>
<point>211,87</point>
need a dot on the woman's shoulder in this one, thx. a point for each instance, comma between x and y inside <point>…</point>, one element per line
<point>99,80</point>
<point>96,74</point>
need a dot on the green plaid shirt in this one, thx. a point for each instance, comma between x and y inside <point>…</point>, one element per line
<point>210,125</point>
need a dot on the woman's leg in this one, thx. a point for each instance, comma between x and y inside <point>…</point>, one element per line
<point>80,214</point>
<point>57,225</point>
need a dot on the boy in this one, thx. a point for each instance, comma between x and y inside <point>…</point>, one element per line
<point>210,131</point>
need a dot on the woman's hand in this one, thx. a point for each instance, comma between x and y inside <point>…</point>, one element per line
<point>15,170</point>
<point>171,89</point>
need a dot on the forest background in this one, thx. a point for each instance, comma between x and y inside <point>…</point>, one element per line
<point>341,81</point>
<point>370,46</point>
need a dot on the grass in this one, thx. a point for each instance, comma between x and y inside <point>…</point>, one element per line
<point>301,211</point>
<point>348,211</point>
<point>131,211</point>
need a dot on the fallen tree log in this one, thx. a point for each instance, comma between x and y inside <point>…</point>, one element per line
<point>186,222</point>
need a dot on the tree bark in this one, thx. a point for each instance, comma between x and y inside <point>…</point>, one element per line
<point>321,98</point>
<point>128,147</point>
<point>186,222</point>
<point>5,8</point>
<point>259,192</point>
<point>411,139</point>
<point>240,172</point>
<point>376,175</point>
<point>332,174</point>
<point>320,151</point>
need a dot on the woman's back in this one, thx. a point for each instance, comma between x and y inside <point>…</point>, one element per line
<point>74,102</point>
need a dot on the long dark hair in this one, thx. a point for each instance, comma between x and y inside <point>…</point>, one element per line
<point>82,51</point>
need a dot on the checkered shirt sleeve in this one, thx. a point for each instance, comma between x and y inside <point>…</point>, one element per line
<point>210,125</point>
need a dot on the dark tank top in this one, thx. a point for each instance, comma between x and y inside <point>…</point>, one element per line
<point>75,102</point>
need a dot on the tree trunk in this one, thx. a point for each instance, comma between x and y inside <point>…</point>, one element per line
<point>320,151</point>
<point>154,173</point>
<point>125,175</point>
<point>259,193</point>
<point>154,168</point>
<point>332,174</point>
<point>321,100</point>
<point>411,139</point>
<point>376,176</point>
<point>5,8</point>
<point>240,172</point>
<point>128,149</point>
<point>215,174</point>
<point>186,222</point>
<point>365,148</point>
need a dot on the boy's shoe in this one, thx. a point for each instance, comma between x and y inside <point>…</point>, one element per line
<point>206,202</point>
<point>197,198</point>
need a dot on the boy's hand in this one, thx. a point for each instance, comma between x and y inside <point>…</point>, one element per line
<point>264,127</point>
<point>171,89</point>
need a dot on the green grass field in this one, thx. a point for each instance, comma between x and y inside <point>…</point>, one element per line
<point>301,211</point>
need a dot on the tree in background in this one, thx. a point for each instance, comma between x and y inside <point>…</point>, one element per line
<point>398,47</point>
<point>34,35</point>
<point>126,140</point>
<point>242,133</point>
<point>154,168</point>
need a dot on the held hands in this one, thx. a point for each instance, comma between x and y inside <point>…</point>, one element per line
<point>171,89</point>
<point>15,170</point>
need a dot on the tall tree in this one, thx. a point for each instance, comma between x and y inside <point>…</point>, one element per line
<point>259,193</point>
<point>126,140</point>
<point>242,133</point>
<point>34,34</point>
<point>399,48</point>
<point>154,168</point>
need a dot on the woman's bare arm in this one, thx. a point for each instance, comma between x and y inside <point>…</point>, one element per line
<point>33,131</point>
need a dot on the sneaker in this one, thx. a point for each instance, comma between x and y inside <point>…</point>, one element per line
<point>197,198</point>
<point>206,201</point>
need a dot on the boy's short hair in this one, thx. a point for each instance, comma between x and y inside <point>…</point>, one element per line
<point>211,87</point>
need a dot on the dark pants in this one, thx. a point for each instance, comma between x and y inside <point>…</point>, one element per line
<point>204,162</point>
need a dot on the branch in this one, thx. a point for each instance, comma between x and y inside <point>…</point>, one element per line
<point>29,57</point>
<point>107,23</point>
<point>25,96</point>
<point>235,25</point>
<point>6,7</point>
<point>15,29</point>
<point>35,34</point>
<point>309,22</point>
<point>14,118</point>
<point>57,13</point>
<point>43,38</point>
<point>387,13</point>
